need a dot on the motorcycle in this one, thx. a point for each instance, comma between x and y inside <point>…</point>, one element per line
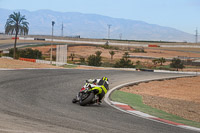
<point>87,95</point>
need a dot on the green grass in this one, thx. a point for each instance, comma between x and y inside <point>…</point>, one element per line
<point>135,101</point>
<point>164,67</point>
<point>69,66</point>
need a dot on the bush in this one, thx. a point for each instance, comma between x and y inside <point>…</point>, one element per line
<point>110,47</point>
<point>160,60</point>
<point>26,53</point>
<point>139,50</point>
<point>94,60</point>
<point>124,63</point>
<point>176,63</point>
<point>82,61</point>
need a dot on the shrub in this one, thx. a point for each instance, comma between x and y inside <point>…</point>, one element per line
<point>176,63</point>
<point>72,56</point>
<point>98,53</point>
<point>82,60</point>
<point>112,53</point>
<point>124,62</point>
<point>26,53</point>
<point>94,60</point>
<point>160,60</point>
<point>139,50</point>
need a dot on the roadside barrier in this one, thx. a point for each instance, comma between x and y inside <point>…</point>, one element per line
<point>14,38</point>
<point>49,62</point>
<point>150,45</point>
<point>147,70</point>
<point>26,59</point>
<point>40,39</point>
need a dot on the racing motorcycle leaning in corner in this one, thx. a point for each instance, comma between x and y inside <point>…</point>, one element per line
<point>92,92</point>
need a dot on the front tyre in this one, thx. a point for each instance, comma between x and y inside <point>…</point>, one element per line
<point>74,100</point>
<point>87,100</point>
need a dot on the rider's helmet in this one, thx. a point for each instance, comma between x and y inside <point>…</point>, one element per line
<point>104,78</point>
<point>91,81</point>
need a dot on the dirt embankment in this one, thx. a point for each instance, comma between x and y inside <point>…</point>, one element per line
<point>178,96</point>
<point>15,64</point>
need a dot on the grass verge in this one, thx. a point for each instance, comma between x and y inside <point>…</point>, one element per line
<point>69,66</point>
<point>135,101</point>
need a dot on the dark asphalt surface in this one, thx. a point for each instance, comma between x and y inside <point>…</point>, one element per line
<point>42,98</point>
<point>6,46</point>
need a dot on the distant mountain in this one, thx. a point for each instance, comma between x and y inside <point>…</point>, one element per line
<point>95,26</point>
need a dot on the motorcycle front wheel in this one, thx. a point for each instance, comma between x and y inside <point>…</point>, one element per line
<point>87,100</point>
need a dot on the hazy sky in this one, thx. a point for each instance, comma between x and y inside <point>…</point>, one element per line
<point>180,14</point>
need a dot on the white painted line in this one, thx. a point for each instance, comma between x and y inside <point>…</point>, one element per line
<point>118,103</point>
<point>143,114</point>
<point>189,127</point>
<point>5,69</point>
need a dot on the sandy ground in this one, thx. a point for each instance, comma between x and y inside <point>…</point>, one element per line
<point>150,52</point>
<point>178,96</point>
<point>14,64</point>
<point>85,51</point>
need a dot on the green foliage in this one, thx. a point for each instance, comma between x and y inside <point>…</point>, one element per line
<point>26,53</point>
<point>126,55</point>
<point>98,53</point>
<point>72,55</point>
<point>177,63</point>
<point>82,61</point>
<point>94,60</point>
<point>139,50</point>
<point>124,62</point>
<point>138,62</point>
<point>112,53</point>
<point>109,47</point>
<point>160,60</point>
<point>16,23</point>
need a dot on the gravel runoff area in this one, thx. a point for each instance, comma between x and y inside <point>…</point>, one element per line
<point>180,96</point>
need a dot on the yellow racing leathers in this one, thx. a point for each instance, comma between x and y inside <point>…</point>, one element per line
<point>102,87</point>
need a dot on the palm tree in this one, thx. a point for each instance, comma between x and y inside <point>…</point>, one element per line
<point>16,24</point>
<point>162,60</point>
<point>112,53</point>
<point>126,55</point>
<point>98,53</point>
<point>72,55</point>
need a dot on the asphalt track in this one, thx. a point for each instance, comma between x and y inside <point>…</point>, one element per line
<point>39,101</point>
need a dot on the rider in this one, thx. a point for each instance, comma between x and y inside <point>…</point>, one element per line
<point>100,84</point>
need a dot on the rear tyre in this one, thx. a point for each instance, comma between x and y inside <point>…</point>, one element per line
<point>87,100</point>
